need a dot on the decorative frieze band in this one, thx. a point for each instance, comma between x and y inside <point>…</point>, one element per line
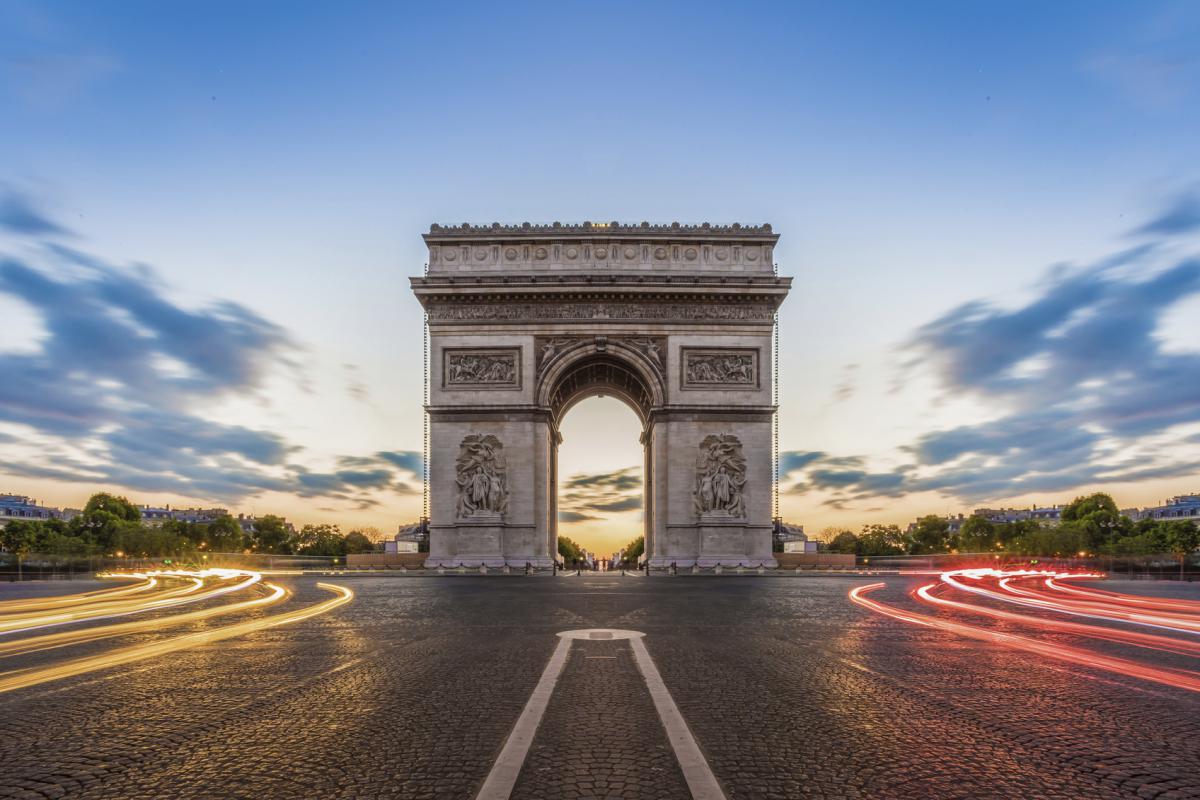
<point>659,312</point>
<point>481,368</point>
<point>727,368</point>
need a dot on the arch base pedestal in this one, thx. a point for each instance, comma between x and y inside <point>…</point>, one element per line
<point>478,542</point>
<point>716,541</point>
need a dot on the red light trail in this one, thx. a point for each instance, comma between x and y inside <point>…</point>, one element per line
<point>1058,599</point>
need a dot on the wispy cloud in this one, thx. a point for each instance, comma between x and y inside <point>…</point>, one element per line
<point>118,384</point>
<point>1180,216</point>
<point>1080,370</point>
<point>589,497</point>
<point>19,215</point>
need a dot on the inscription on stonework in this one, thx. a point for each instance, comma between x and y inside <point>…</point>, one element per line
<point>720,477</point>
<point>748,312</point>
<point>738,367</point>
<point>495,368</point>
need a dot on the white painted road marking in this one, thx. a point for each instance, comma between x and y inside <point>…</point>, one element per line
<point>700,779</point>
<point>503,777</point>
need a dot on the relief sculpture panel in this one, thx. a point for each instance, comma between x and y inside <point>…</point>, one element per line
<point>482,477</point>
<point>720,477</point>
<point>492,368</point>
<point>733,368</point>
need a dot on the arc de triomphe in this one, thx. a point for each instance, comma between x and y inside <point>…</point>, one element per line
<point>527,320</point>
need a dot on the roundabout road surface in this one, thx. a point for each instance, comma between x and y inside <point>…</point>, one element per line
<point>414,688</point>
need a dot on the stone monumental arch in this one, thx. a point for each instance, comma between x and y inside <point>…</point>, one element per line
<point>527,320</point>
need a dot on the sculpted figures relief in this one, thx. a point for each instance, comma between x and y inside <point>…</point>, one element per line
<point>653,348</point>
<point>482,477</point>
<point>739,368</point>
<point>548,348</point>
<point>717,312</point>
<point>720,477</point>
<point>491,368</point>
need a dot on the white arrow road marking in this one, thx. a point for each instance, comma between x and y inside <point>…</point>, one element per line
<point>503,777</point>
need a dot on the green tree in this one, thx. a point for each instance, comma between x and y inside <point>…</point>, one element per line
<point>319,540</point>
<point>841,541</point>
<point>271,535</point>
<point>881,540</point>
<point>1140,544</point>
<point>357,542</point>
<point>977,535</point>
<point>634,550</point>
<point>570,551</point>
<point>930,535</point>
<point>18,538</point>
<point>1083,507</point>
<point>1098,521</point>
<point>142,540</point>
<point>1183,538</point>
<point>108,519</point>
<point>119,507</point>
<point>224,535</point>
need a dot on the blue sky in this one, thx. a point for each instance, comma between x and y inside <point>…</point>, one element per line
<point>266,170</point>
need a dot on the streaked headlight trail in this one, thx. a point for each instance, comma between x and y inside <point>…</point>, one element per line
<point>154,592</point>
<point>1018,587</point>
<point>18,606</point>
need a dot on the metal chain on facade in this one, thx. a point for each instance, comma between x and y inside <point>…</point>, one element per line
<point>775,416</point>
<point>425,417</point>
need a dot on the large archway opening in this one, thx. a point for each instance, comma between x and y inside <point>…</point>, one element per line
<point>601,396</point>
<point>601,481</point>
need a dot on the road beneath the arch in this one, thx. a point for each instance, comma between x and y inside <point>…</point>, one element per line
<point>413,688</point>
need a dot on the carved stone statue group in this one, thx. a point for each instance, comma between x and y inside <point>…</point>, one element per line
<point>721,477</point>
<point>481,477</point>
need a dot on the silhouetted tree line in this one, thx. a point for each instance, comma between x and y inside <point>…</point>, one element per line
<point>1091,525</point>
<point>571,552</point>
<point>635,550</point>
<point>111,525</point>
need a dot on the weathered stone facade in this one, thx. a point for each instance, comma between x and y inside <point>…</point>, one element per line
<point>525,321</point>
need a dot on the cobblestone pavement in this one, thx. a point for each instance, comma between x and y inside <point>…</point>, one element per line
<point>411,690</point>
<point>601,736</point>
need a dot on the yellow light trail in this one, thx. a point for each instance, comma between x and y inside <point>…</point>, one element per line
<point>170,599</point>
<point>32,677</point>
<point>98,596</point>
<point>64,638</point>
<point>15,623</point>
